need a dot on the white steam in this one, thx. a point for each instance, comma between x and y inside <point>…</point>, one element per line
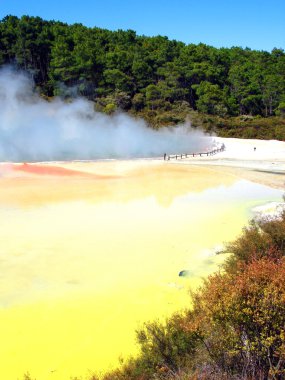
<point>32,129</point>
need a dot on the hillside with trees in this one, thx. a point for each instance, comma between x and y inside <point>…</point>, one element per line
<point>162,80</point>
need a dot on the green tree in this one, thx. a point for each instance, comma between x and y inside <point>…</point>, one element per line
<point>210,99</point>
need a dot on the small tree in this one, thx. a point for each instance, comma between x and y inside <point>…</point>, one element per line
<point>281,109</point>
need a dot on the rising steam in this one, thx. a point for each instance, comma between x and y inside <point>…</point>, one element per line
<point>32,129</point>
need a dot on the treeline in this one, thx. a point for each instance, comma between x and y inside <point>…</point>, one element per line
<point>144,74</point>
<point>235,328</point>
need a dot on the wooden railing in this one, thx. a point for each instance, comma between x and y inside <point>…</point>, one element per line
<point>189,155</point>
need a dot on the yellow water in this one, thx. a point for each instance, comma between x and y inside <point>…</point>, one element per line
<point>85,260</point>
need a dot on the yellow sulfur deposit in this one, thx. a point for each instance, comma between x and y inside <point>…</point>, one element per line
<point>93,249</point>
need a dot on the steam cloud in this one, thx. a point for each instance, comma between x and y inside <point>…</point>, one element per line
<point>32,129</point>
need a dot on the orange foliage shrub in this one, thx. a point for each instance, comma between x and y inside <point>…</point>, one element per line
<point>241,319</point>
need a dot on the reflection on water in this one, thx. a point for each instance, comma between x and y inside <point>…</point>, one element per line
<point>85,259</point>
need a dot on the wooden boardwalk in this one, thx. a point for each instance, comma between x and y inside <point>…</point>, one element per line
<point>189,155</point>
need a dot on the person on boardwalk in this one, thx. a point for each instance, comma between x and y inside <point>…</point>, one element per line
<point>164,156</point>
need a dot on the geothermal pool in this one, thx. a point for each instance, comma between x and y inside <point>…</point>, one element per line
<point>90,250</point>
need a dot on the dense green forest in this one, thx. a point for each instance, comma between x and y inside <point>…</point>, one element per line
<point>162,80</point>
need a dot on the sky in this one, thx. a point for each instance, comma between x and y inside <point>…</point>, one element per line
<point>257,24</point>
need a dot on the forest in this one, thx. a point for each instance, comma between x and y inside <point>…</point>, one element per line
<point>238,92</point>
